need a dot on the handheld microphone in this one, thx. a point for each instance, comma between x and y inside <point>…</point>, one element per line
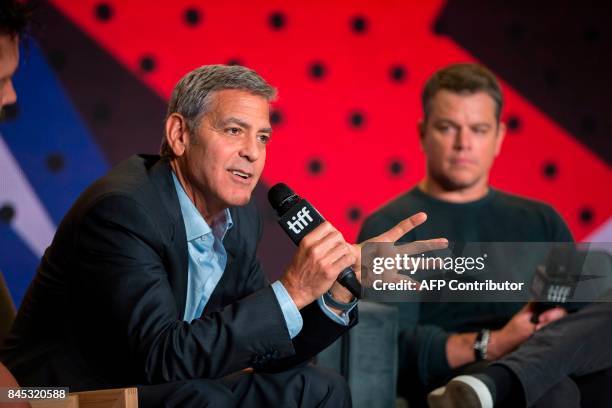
<point>554,283</point>
<point>298,218</point>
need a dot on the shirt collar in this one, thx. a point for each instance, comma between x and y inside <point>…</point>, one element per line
<point>195,225</point>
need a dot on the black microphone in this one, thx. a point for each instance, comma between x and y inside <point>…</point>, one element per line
<point>554,283</point>
<point>298,218</point>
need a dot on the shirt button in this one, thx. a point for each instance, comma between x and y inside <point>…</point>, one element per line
<point>200,259</point>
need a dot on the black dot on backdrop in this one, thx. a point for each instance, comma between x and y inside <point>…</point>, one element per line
<point>277,20</point>
<point>397,73</point>
<point>234,61</point>
<point>588,124</point>
<point>359,24</point>
<point>55,162</point>
<point>356,119</point>
<point>192,16</point>
<point>315,166</point>
<point>147,63</point>
<point>10,112</point>
<point>515,31</point>
<point>57,59</point>
<point>354,213</point>
<point>586,215</point>
<point>276,117</point>
<point>514,123</point>
<point>101,113</point>
<point>550,170</point>
<point>104,12</point>
<point>7,212</point>
<point>396,167</point>
<point>317,70</point>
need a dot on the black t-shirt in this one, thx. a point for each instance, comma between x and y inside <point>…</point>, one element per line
<point>497,217</point>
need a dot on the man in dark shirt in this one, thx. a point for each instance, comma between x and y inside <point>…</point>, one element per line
<point>461,134</point>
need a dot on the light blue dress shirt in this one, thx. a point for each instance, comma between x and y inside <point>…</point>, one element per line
<point>207,261</point>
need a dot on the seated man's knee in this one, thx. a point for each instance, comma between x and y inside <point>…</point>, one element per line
<point>209,393</point>
<point>195,393</point>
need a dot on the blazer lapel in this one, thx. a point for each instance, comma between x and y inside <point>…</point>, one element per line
<point>177,265</point>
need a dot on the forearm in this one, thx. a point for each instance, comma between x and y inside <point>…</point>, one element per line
<point>460,349</point>
<point>501,344</point>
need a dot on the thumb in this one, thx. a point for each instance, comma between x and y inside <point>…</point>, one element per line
<point>552,315</point>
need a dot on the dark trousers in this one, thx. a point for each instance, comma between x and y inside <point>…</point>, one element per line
<point>568,363</point>
<point>304,386</point>
<point>589,391</point>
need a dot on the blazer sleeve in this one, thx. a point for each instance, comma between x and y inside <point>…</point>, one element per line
<point>120,269</point>
<point>318,332</point>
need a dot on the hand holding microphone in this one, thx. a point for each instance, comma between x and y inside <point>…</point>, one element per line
<point>323,255</point>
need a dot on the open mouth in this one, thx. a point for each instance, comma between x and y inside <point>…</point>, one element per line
<point>243,175</point>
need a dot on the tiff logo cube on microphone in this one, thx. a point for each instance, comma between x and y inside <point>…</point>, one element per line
<point>300,221</point>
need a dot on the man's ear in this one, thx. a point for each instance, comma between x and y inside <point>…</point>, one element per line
<point>177,134</point>
<point>501,133</point>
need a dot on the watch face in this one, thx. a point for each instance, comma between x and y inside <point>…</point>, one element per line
<point>481,344</point>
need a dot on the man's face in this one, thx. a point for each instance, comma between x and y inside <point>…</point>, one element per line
<point>461,138</point>
<point>224,158</point>
<point>9,58</point>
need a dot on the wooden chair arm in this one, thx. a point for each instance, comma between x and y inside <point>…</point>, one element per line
<point>112,398</point>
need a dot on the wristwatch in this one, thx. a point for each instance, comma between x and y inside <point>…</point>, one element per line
<point>330,301</point>
<point>481,344</point>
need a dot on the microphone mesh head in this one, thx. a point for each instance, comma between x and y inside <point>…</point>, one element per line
<point>279,193</point>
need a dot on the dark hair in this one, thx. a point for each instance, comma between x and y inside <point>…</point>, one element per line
<point>463,78</point>
<point>14,17</point>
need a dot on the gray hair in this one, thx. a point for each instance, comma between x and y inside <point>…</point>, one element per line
<point>192,95</point>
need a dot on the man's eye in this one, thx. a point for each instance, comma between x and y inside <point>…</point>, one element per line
<point>263,139</point>
<point>233,131</point>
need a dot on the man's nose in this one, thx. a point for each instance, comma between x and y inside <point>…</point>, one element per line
<point>250,148</point>
<point>463,140</point>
